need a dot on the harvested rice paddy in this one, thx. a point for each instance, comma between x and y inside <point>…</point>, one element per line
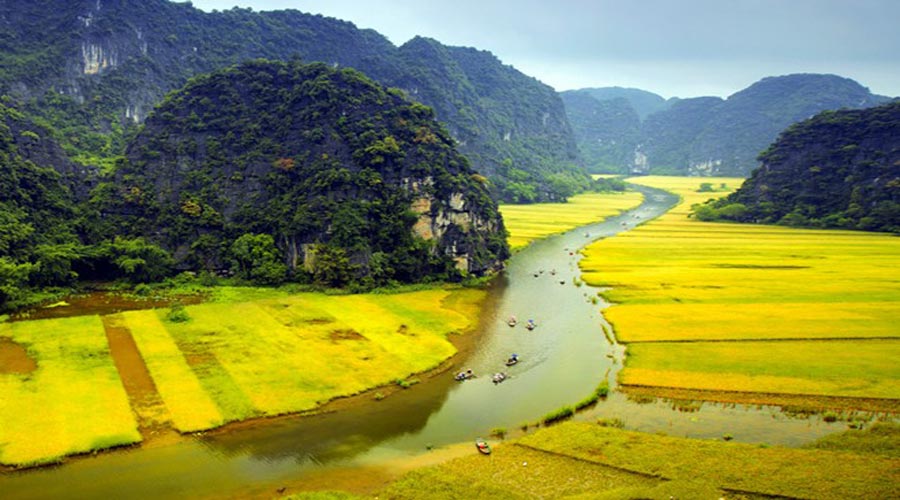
<point>527,223</point>
<point>681,286</point>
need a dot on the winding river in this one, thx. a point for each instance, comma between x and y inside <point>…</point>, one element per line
<point>562,361</point>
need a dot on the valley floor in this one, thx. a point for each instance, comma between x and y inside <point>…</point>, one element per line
<point>752,313</point>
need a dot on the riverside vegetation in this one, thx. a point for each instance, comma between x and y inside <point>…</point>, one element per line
<point>582,460</point>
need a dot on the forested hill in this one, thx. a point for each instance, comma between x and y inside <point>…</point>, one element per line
<point>92,67</point>
<point>837,169</point>
<point>714,136</point>
<point>352,182</point>
<point>607,131</point>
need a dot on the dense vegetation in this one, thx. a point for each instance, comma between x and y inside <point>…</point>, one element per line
<point>93,70</point>
<point>706,135</point>
<point>607,131</point>
<point>272,171</point>
<point>302,168</point>
<point>838,169</point>
<point>45,240</point>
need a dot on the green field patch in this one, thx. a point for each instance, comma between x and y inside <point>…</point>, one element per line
<point>70,401</point>
<point>514,472</point>
<point>728,466</point>
<point>527,223</point>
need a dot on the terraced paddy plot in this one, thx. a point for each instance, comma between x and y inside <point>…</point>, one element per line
<point>60,393</point>
<point>527,223</point>
<point>680,280</point>
<point>288,353</point>
<point>846,368</point>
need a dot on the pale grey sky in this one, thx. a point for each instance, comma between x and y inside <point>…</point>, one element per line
<point>681,48</point>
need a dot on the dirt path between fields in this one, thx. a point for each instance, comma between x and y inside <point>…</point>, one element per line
<point>154,420</point>
<point>14,358</point>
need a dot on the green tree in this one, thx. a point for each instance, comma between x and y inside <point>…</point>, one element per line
<point>139,261</point>
<point>331,266</point>
<point>256,258</point>
<point>13,282</point>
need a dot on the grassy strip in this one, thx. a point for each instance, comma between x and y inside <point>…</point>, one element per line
<point>280,353</point>
<point>527,223</point>
<point>881,438</point>
<point>513,472</point>
<point>729,466</point>
<point>795,403</point>
<point>73,402</point>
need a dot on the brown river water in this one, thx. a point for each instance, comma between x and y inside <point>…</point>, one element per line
<point>357,447</point>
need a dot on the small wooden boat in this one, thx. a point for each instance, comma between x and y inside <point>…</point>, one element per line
<point>512,321</point>
<point>530,325</point>
<point>482,446</point>
<point>512,360</point>
<point>498,377</point>
<point>466,375</point>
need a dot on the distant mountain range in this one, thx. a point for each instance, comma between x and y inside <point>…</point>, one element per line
<point>704,135</point>
<point>92,69</point>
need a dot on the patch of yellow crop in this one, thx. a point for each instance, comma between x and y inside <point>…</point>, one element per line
<point>527,223</point>
<point>73,402</point>
<point>190,406</point>
<point>290,353</point>
<point>754,321</point>
<point>824,368</point>
<point>676,278</point>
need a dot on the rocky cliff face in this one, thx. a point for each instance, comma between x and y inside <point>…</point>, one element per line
<point>95,66</point>
<point>321,159</point>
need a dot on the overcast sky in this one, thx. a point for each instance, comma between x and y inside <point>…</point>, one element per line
<point>681,48</point>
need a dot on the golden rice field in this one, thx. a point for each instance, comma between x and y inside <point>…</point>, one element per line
<point>70,400</point>
<point>675,279</point>
<point>248,353</point>
<point>237,360</point>
<point>527,223</point>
